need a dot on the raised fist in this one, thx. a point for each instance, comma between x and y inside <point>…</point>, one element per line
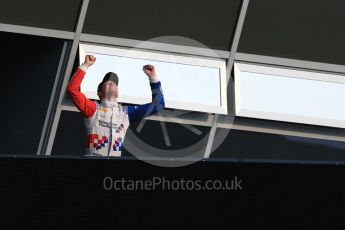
<point>89,60</point>
<point>149,70</point>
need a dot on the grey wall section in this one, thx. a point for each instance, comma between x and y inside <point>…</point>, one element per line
<point>209,22</point>
<point>58,15</point>
<point>311,30</point>
<point>28,67</point>
<point>243,145</point>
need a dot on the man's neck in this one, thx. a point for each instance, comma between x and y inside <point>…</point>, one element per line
<point>113,99</point>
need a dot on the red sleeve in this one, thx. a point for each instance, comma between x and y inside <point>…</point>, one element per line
<point>86,106</point>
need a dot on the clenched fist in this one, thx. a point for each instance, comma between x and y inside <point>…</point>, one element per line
<point>89,60</point>
<point>149,70</point>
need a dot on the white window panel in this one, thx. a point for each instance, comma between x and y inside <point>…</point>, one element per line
<point>289,95</point>
<point>188,83</point>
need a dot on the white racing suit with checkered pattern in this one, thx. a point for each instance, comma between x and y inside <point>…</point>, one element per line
<point>106,122</point>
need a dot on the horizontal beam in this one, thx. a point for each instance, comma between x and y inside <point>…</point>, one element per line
<point>284,128</point>
<point>293,63</point>
<point>189,118</point>
<point>157,46</point>
<point>36,31</point>
<point>174,116</point>
<point>245,124</point>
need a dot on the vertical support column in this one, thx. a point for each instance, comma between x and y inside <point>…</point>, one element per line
<point>229,66</point>
<point>67,75</point>
<point>52,102</point>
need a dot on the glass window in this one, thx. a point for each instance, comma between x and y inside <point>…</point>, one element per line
<point>289,95</point>
<point>188,83</point>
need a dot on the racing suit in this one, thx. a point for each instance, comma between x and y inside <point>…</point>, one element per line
<point>106,122</point>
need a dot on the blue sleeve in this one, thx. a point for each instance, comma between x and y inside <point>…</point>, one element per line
<point>136,113</point>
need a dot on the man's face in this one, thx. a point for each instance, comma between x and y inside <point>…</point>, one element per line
<point>108,89</point>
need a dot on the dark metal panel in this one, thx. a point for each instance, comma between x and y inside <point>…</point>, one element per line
<point>208,22</point>
<point>28,67</point>
<point>307,30</point>
<point>58,15</point>
<point>70,139</point>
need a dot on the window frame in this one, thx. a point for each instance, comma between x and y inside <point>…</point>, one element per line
<point>171,58</point>
<point>240,67</point>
